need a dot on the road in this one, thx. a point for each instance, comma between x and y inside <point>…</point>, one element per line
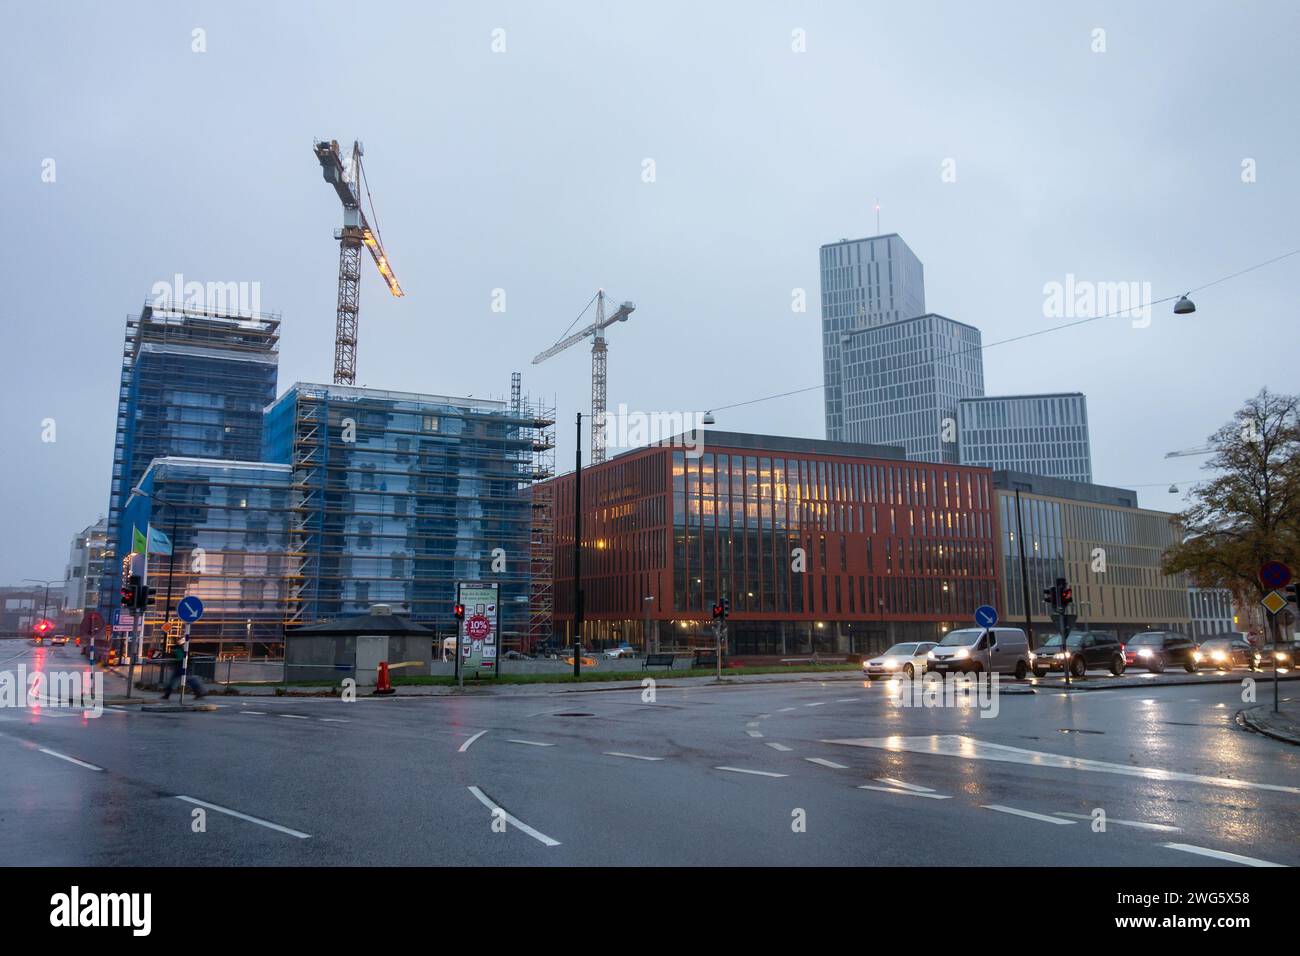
<point>700,776</point>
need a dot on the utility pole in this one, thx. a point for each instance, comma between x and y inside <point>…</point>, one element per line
<point>577,553</point>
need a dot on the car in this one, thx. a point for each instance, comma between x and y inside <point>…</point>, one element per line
<point>59,640</point>
<point>1087,649</point>
<point>973,650</point>
<point>1156,650</point>
<point>1225,653</point>
<point>906,659</point>
<point>1286,654</point>
<point>622,650</point>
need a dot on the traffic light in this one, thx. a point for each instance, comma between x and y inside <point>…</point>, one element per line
<point>1067,597</point>
<point>717,610</point>
<point>726,608</point>
<point>1049,597</point>
<point>460,612</point>
<point>1291,596</point>
<point>43,627</point>
<point>131,592</point>
<point>147,596</point>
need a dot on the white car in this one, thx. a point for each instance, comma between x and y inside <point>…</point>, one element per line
<point>623,650</point>
<point>901,660</point>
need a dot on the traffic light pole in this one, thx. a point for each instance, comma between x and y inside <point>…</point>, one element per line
<point>577,554</point>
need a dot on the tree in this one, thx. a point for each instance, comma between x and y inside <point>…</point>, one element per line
<point>1249,512</point>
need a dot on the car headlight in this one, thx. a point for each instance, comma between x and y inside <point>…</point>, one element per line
<point>1219,656</point>
<point>962,654</point>
<point>1032,657</point>
<point>891,664</point>
<point>930,656</point>
<point>1145,652</point>
<point>1059,657</point>
<point>1196,655</point>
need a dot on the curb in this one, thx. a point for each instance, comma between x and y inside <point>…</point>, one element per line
<point>1250,717</point>
<point>1166,683</point>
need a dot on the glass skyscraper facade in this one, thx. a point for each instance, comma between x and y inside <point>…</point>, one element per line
<point>864,283</point>
<point>902,383</point>
<point>817,544</point>
<point>1097,539</point>
<point>193,384</point>
<point>1039,434</point>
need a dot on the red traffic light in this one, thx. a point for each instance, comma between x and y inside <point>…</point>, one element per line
<point>460,612</point>
<point>43,627</point>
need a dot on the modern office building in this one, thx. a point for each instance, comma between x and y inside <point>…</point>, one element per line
<point>22,606</point>
<point>864,283</point>
<point>1211,612</point>
<point>1039,434</point>
<point>193,384</point>
<point>833,546</point>
<point>1097,539</point>
<point>81,577</point>
<point>902,383</point>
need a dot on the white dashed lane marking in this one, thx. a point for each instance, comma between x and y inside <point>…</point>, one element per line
<point>530,743</point>
<point>826,763</point>
<point>1027,814</point>
<point>775,746</point>
<point>615,753</point>
<point>79,763</point>
<point>244,816</point>
<point>1220,855</point>
<point>905,793</point>
<point>1162,827</point>
<point>756,773</point>
<point>753,733</point>
<point>465,745</point>
<point>513,821</point>
<point>894,782</point>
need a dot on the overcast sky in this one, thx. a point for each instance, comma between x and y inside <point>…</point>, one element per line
<point>522,170</point>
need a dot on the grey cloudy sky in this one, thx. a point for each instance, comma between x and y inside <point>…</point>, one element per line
<point>522,171</point>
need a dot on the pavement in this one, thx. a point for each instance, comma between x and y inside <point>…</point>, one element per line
<point>1282,724</point>
<point>822,771</point>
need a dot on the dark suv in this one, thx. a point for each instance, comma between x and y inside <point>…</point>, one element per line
<point>1156,650</point>
<point>1088,650</point>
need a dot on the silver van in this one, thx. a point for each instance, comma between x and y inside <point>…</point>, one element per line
<point>989,650</point>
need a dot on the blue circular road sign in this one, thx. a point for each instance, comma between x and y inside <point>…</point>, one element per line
<point>190,609</point>
<point>1275,574</point>
<point>986,615</point>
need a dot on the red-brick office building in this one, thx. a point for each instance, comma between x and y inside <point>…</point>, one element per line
<point>833,545</point>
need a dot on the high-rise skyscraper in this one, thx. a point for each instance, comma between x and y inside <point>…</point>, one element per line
<point>864,283</point>
<point>902,383</point>
<point>1038,434</point>
<point>193,385</point>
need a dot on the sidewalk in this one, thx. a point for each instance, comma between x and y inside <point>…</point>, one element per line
<point>1284,725</point>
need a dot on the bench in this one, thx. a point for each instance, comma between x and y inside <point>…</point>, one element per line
<point>657,660</point>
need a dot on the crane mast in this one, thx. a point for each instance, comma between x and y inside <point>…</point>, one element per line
<point>599,351</point>
<point>353,236</point>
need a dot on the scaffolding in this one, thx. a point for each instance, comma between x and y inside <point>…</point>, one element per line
<point>541,577</point>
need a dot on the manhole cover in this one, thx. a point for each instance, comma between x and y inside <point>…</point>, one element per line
<point>573,715</point>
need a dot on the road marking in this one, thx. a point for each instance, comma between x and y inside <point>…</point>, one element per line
<point>255,713</point>
<point>336,720</point>
<point>753,733</point>
<point>846,700</point>
<point>465,745</point>
<point>615,753</point>
<point>756,773</point>
<point>513,821</point>
<point>752,723</point>
<point>826,763</point>
<point>957,745</point>
<point>79,763</point>
<point>764,716</point>
<point>293,716</point>
<point>781,747</point>
<point>244,816</point>
<point>894,782</point>
<point>1163,827</point>
<point>820,703</point>
<point>785,709</point>
<point>905,793</point>
<point>1220,855</point>
<point>531,743</point>
<point>1027,814</point>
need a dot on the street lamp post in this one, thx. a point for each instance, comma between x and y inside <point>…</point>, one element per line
<point>45,603</point>
<point>646,603</point>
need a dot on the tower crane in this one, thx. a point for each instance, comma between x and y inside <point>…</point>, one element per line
<point>598,353</point>
<point>348,181</point>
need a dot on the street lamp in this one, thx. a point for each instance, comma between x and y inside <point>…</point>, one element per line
<point>1184,306</point>
<point>45,604</point>
<point>645,641</point>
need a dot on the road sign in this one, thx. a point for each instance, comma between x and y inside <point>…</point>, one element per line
<point>1274,601</point>
<point>190,609</point>
<point>986,615</point>
<point>1275,574</point>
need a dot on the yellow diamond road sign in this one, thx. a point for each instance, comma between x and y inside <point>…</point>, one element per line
<point>1274,602</point>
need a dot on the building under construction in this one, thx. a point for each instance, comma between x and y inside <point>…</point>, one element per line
<point>360,496</point>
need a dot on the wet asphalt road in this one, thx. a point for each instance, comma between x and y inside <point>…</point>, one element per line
<point>414,781</point>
